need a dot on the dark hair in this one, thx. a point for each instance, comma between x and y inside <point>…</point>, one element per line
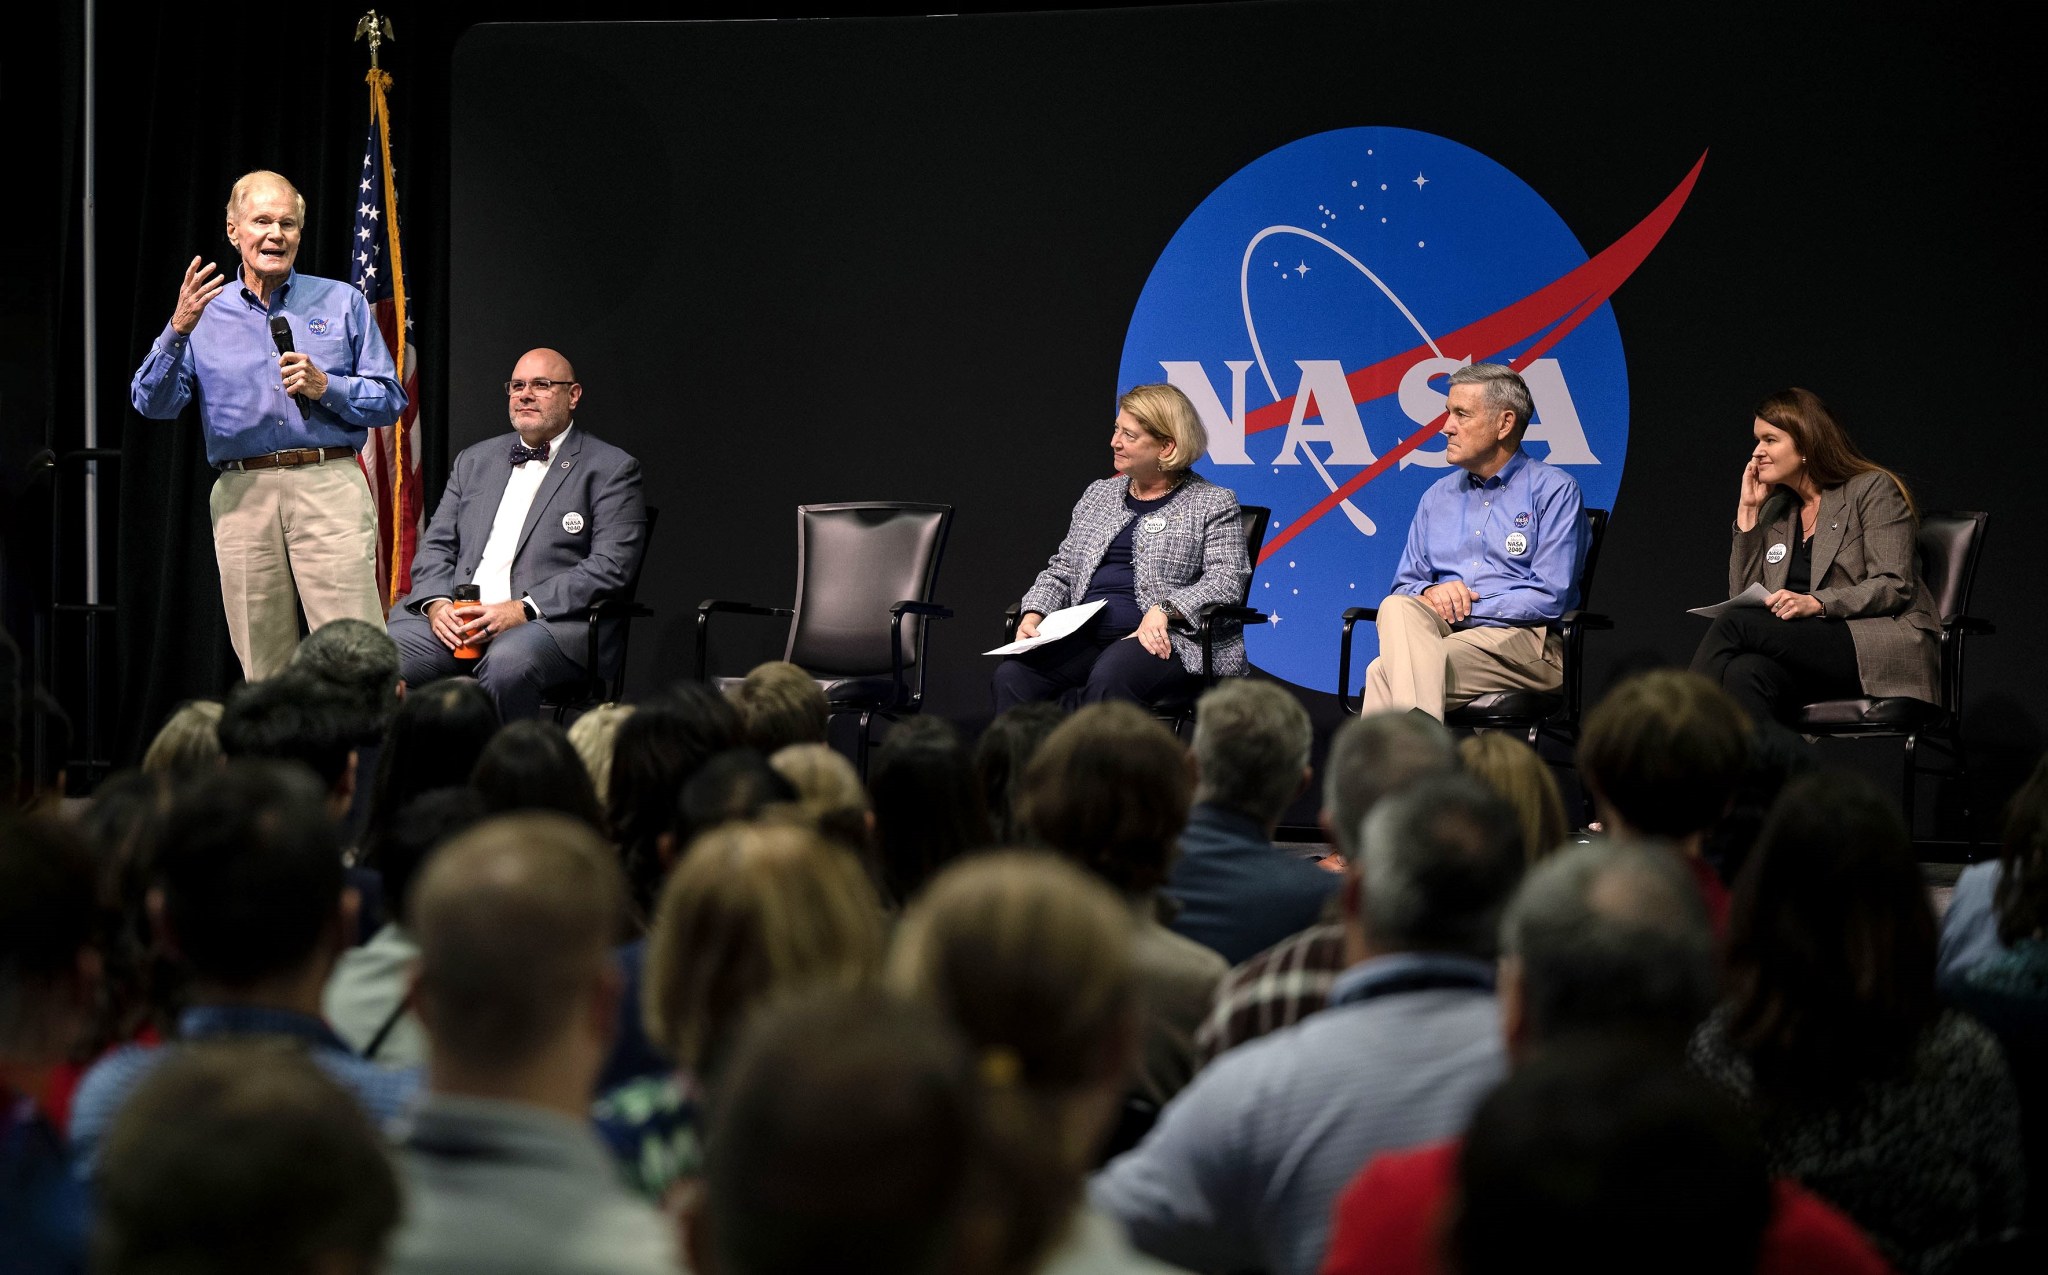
<point>843,1138</point>
<point>1831,942</point>
<point>428,822</point>
<point>1665,750</point>
<point>736,784</point>
<point>433,742</point>
<point>1607,1158</point>
<point>1824,446</point>
<point>292,717</point>
<point>48,913</point>
<point>1000,756</point>
<point>250,867</point>
<point>242,1158</point>
<point>530,765</point>
<point>142,983</point>
<point>657,749</point>
<point>1110,788</point>
<point>2022,894</point>
<point>358,659</point>
<point>927,803</point>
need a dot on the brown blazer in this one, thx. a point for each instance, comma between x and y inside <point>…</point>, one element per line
<point>1864,563</point>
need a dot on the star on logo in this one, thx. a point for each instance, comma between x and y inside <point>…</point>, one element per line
<point>1420,181</point>
<point>1302,268</point>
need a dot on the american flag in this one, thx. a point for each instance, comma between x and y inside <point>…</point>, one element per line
<point>390,457</point>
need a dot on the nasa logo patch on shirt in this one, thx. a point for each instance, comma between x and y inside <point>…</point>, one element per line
<point>1517,544</point>
<point>318,327</point>
<point>1775,554</point>
<point>1522,519</point>
<point>572,523</point>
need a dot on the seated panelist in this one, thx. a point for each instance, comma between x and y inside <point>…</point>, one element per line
<point>1154,544</point>
<point>1831,535</point>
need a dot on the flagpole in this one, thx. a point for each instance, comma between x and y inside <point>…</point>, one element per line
<point>377,29</point>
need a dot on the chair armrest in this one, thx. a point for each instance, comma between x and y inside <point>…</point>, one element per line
<point>1591,621</point>
<point>932,609</point>
<point>1207,616</point>
<point>901,694</point>
<point>601,610</point>
<point>1973,626</point>
<point>712,606</point>
<point>1351,617</point>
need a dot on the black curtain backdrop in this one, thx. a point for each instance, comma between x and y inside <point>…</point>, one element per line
<point>803,261</point>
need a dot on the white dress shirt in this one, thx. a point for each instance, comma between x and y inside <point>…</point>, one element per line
<point>494,572</point>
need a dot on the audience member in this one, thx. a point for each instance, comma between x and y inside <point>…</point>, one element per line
<point>657,749</point>
<point>752,913</point>
<point>735,786</point>
<point>1244,1166</point>
<point>779,704</point>
<point>360,660</point>
<point>1662,754</point>
<point>1030,957</point>
<point>1996,917</point>
<point>368,998</point>
<point>593,735</point>
<point>242,1158</point>
<point>1895,1111</point>
<point>189,742</point>
<point>530,765</point>
<point>249,893</point>
<point>433,742</point>
<point>829,795</point>
<point>1520,776</point>
<point>48,973</point>
<point>927,804</point>
<point>1110,790</point>
<point>1370,757</point>
<point>517,991</point>
<point>1239,893</point>
<point>295,718</point>
<point>1000,756</point>
<point>846,1136</point>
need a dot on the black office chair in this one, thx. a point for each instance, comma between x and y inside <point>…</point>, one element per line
<point>604,681</point>
<point>865,574</point>
<point>1179,711</point>
<point>1532,714</point>
<point>1950,545</point>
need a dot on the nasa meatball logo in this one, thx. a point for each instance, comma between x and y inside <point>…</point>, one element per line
<point>318,327</point>
<point>1312,307</point>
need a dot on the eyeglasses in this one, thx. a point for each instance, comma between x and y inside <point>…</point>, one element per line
<point>539,385</point>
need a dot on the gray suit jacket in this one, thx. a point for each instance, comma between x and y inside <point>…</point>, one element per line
<point>1198,558</point>
<point>1865,572</point>
<point>591,485</point>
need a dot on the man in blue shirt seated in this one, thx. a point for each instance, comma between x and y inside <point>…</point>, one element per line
<point>1492,562</point>
<point>293,522</point>
<point>1238,892</point>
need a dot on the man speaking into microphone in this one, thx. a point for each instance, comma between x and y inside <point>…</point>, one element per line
<point>289,371</point>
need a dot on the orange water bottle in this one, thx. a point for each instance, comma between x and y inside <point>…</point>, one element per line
<point>464,595</point>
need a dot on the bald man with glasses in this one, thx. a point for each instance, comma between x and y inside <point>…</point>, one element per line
<point>544,524</point>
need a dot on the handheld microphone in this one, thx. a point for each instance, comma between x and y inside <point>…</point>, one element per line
<point>281,333</point>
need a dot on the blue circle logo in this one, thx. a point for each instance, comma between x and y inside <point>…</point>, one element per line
<point>1311,309</point>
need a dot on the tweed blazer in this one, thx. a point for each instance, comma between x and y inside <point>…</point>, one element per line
<point>1198,558</point>
<point>1865,568</point>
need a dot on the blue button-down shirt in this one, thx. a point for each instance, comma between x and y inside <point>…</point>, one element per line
<point>230,364</point>
<point>1516,539</point>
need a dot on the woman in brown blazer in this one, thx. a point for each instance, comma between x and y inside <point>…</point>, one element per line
<point>1831,534</point>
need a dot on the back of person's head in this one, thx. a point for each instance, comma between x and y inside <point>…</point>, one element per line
<point>1251,747</point>
<point>189,741</point>
<point>515,921</point>
<point>292,717</point>
<point>752,913</point>
<point>1776,758</point>
<point>1663,752</point>
<point>926,801</point>
<point>593,736</point>
<point>1608,1158</point>
<point>49,916</point>
<point>433,742</point>
<point>530,765</point>
<point>242,1158</point>
<point>1522,778</point>
<point>828,793</point>
<point>1000,756</point>
<point>1110,789</point>
<point>844,1138</point>
<point>2021,897</point>
<point>428,822</point>
<point>142,983</point>
<point>1608,937</point>
<point>360,660</point>
<point>1372,756</point>
<point>1831,939</point>
<point>1436,864</point>
<point>656,751</point>
<point>737,784</point>
<point>779,704</point>
<point>250,869</point>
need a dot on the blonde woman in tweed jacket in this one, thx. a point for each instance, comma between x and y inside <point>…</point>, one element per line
<point>1154,544</point>
<point>1831,534</point>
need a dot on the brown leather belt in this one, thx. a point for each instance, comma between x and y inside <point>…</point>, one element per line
<point>289,459</point>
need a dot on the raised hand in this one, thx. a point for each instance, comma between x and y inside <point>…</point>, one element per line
<point>200,286</point>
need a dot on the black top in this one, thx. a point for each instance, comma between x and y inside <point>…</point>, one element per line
<point>1115,581</point>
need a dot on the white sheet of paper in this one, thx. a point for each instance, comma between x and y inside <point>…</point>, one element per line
<point>1753,596</point>
<point>1052,628</point>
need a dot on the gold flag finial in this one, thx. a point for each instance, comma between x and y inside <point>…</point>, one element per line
<point>377,29</point>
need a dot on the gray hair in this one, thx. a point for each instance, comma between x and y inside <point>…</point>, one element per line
<point>1505,391</point>
<point>263,177</point>
<point>355,657</point>
<point>1251,746</point>
<point>1611,935</point>
<point>1439,863</point>
<point>1376,755</point>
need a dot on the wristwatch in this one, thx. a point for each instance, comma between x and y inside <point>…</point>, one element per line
<point>526,605</point>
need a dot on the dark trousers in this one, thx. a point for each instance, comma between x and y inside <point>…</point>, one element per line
<point>518,665</point>
<point>1772,666</point>
<point>1101,668</point>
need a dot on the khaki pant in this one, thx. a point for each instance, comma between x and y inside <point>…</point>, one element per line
<point>1424,663</point>
<point>285,537</point>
